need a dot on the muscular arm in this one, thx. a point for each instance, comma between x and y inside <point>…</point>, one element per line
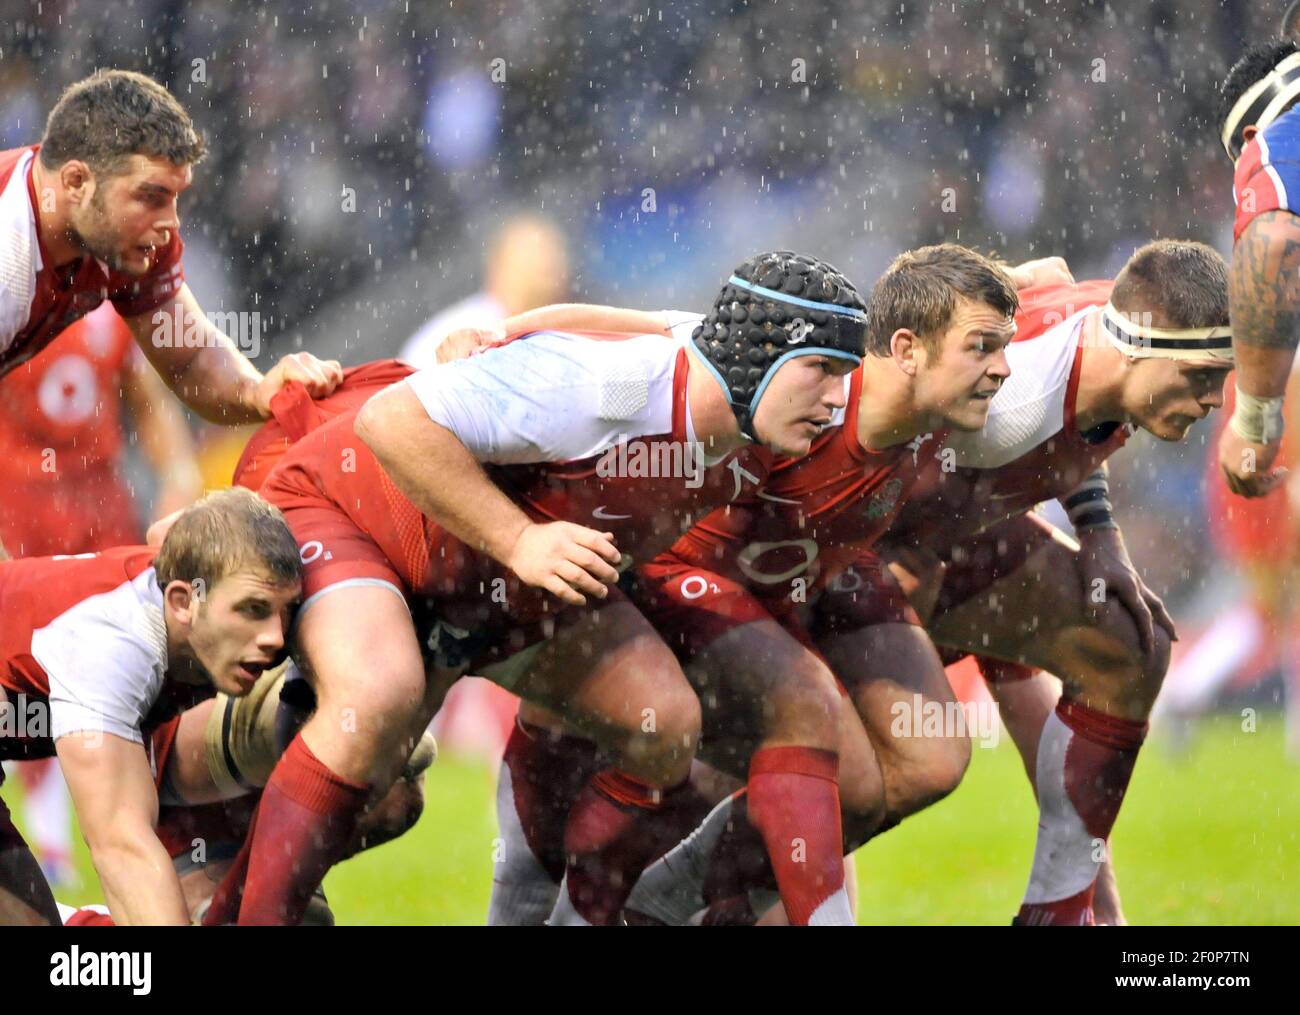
<point>117,808</point>
<point>420,456</point>
<point>1264,290</point>
<point>208,372</point>
<point>557,317</point>
<point>164,438</point>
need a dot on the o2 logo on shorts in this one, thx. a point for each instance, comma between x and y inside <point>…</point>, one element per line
<point>693,586</point>
<point>312,551</point>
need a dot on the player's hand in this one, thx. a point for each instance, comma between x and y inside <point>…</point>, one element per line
<point>1042,271</point>
<point>919,572</point>
<point>1247,466</point>
<point>466,341</point>
<point>1107,569</point>
<point>566,560</point>
<point>319,377</point>
<point>157,532</point>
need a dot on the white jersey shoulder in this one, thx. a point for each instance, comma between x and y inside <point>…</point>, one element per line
<point>105,659</point>
<point>1030,406</point>
<point>20,254</point>
<point>553,396</point>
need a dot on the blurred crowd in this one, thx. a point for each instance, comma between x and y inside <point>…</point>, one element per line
<point>362,149</point>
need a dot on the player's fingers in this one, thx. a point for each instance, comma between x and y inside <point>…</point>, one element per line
<point>1130,598</point>
<point>592,564</point>
<point>333,372</point>
<point>579,579</point>
<point>1160,614</point>
<point>600,543</point>
<point>560,589</point>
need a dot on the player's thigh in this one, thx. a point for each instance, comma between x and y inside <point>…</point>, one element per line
<point>1009,615</point>
<point>1037,614</point>
<point>609,673</point>
<point>357,647</point>
<point>758,679</point>
<point>894,677</point>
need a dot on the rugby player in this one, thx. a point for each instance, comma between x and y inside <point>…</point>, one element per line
<point>726,597</point>
<point>1260,130</point>
<point>1016,590</point>
<point>90,215</point>
<point>97,648</point>
<point>559,417</point>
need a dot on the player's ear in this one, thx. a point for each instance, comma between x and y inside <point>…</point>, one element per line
<point>905,346</point>
<point>78,181</point>
<point>180,601</point>
<point>1248,134</point>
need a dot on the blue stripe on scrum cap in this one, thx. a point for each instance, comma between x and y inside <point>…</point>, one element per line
<point>772,294</point>
<point>771,371</point>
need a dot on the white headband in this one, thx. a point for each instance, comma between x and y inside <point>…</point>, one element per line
<point>1170,343</point>
<point>1263,102</point>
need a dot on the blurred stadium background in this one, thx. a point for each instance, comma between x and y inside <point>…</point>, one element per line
<point>365,154</point>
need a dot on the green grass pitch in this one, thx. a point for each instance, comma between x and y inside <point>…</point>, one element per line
<point>1209,837</point>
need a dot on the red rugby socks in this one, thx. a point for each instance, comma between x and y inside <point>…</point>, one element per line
<point>606,846</point>
<point>302,828</point>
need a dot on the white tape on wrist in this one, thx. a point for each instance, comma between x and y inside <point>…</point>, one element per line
<point>1258,420</point>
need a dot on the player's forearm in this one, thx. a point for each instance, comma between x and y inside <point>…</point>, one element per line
<point>422,456</point>
<point>218,382</point>
<point>165,439</point>
<point>1264,290</point>
<point>139,882</point>
<point>586,317</point>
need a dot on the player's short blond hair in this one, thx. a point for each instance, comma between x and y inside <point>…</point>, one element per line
<point>225,532</point>
<point>919,292</point>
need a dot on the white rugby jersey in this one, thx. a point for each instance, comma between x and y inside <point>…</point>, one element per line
<point>87,634</point>
<point>1030,407</point>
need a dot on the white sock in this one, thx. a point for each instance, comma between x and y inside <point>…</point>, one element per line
<point>523,894</point>
<point>672,888</point>
<point>1063,855</point>
<point>565,914</point>
<point>833,911</point>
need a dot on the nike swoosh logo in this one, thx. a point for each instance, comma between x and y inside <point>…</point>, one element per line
<point>600,513</point>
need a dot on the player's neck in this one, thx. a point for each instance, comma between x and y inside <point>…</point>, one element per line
<point>887,411</point>
<point>182,667</point>
<point>712,420</point>
<point>52,222</point>
<point>1099,396</point>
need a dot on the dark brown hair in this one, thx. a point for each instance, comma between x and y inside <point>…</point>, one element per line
<point>919,292</point>
<point>1182,283</point>
<point>113,114</point>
